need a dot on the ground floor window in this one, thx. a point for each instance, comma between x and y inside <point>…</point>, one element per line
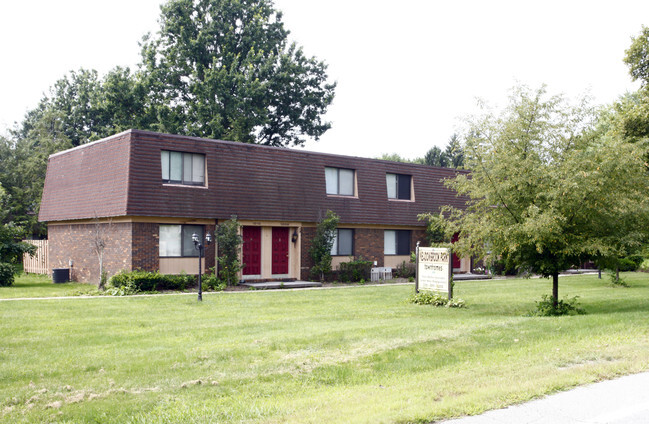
<point>396,242</point>
<point>176,240</point>
<point>343,242</point>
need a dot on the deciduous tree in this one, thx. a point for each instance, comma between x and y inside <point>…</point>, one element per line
<point>546,190</point>
<point>225,69</point>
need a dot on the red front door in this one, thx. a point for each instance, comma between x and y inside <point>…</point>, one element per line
<point>252,250</point>
<point>280,251</point>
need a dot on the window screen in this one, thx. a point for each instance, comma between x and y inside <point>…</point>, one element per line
<point>182,167</point>
<point>398,186</point>
<point>343,243</point>
<point>339,181</point>
<point>176,240</point>
<point>396,242</point>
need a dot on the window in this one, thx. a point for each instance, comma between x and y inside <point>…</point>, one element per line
<point>398,186</point>
<point>176,240</point>
<point>183,168</point>
<point>343,243</point>
<point>340,181</point>
<point>396,242</point>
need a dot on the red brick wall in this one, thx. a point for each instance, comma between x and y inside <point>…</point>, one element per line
<point>368,243</point>
<point>75,242</point>
<point>210,251</point>
<point>129,246</point>
<point>146,246</point>
<point>418,236</point>
<point>308,233</point>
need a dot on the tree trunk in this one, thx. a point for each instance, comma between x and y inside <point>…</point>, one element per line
<point>617,275</point>
<point>555,289</point>
<point>100,286</point>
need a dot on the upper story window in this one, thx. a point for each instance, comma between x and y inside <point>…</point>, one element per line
<point>343,242</point>
<point>183,168</point>
<point>340,181</point>
<point>176,240</point>
<point>396,242</point>
<point>398,186</point>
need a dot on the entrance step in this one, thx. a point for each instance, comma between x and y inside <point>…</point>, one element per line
<point>282,285</point>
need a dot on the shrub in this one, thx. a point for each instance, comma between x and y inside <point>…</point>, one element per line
<point>435,299</point>
<point>124,290</point>
<point>569,306</point>
<point>503,267</point>
<point>7,272</point>
<point>320,251</point>
<point>355,271</point>
<point>229,242</point>
<point>151,281</point>
<point>405,270</point>
<point>630,263</point>
<point>212,282</point>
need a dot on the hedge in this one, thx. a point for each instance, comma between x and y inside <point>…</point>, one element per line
<point>152,281</point>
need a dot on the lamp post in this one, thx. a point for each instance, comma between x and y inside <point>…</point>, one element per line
<point>200,247</point>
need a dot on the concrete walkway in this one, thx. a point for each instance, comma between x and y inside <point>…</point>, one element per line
<point>621,401</point>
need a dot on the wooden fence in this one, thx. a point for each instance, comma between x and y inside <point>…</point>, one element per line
<point>39,263</point>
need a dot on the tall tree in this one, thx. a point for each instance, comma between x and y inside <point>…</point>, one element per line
<point>629,117</point>
<point>637,56</point>
<point>11,246</point>
<point>436,157</point>
<point>224,69</point>
<point>454,152</point>
<point>546,190</point>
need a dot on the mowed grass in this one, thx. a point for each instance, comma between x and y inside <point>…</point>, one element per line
<point>35,285</point>
<point>344,355</point>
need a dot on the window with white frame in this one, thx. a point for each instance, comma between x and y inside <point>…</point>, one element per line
<point>340,181</point>
<point>176,240</point>
<point>398,186</point>
<point>183,167</point>
<point>343,242</point>
<point>396,242</point>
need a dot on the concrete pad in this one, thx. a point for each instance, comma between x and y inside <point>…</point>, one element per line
<point>621,401</point>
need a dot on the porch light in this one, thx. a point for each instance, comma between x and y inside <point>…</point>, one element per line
<point>201,248</point>
<point>294,237</point>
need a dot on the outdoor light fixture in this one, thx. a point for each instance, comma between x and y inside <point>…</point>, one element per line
<point>294,237</point>
<point>200,247</point>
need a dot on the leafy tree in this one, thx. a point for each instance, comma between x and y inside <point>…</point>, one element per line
<point>629,117</point>
<point>320,251</point>
<point>451,157</point>
<point>436,157</point>
<point>637,57</point>
<point>11,248</point>
<point>224,69</point>
<point>229,240</point>
<point>395,157</point>
<point>438,228</point>
<point>546,190</point>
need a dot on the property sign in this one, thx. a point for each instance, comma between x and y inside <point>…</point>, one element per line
<point>434,270</point>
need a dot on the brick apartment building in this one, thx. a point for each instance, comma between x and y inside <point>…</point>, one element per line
<point>146,193</point>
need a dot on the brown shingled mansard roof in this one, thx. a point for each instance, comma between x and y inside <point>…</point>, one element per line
<point>121,176</point>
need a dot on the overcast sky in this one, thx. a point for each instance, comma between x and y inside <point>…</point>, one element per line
<point>407,71</point>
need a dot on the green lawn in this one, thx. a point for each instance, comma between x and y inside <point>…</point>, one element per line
<point>35,285</point>
<point>344,355</point>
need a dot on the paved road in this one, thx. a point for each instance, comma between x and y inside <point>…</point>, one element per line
<point>621,401</point>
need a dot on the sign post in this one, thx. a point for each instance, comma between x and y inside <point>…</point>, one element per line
<point>434,270</point>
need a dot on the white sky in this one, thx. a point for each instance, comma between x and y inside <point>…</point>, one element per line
<point>407,70</point>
